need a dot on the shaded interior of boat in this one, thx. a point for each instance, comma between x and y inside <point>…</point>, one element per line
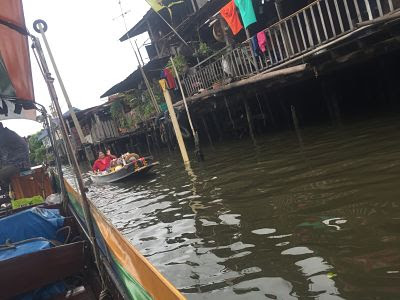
<point>45,252</point>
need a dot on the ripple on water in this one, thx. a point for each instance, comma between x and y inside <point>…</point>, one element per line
<point>297,251</point>
<point>238,228</point>
<point>264,231</point>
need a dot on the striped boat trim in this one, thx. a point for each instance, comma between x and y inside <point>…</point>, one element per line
<point>140,278</point>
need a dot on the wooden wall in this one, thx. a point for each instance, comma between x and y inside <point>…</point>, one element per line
<point>101,130</point>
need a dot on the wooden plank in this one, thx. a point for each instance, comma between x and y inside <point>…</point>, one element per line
<point>31,271</point>
<point>35,184</point>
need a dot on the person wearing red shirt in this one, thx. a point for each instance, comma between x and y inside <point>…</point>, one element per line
<point>103,162</point>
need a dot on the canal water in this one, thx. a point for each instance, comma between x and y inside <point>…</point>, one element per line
<point>272,220</point>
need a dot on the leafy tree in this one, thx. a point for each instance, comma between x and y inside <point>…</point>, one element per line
<point>37,150</point>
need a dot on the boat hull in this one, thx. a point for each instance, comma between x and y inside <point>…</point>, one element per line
<point>127,172</point>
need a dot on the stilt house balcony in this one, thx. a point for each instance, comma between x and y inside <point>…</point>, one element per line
<point>315,25</point>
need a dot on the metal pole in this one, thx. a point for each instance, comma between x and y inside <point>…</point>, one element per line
<point>172,28</point>
<point>198,151</point>
<point>140,55</point>
<point>53,94</point>
<point>89,154</point>
<point>153,98</point>
<point>64,91</point>
<point>183,96</point>
<point>175,123</point>
<point>278,9</point>
<point>50,133</point>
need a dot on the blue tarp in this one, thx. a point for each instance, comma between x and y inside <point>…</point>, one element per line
<point>45,293</point>
<point>25,247</point>
<point>29,232</point>
<point>32,223</point>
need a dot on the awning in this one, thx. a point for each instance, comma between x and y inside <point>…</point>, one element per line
<point>139,28</point>
<point>15,69</point>
<point>152,70</point>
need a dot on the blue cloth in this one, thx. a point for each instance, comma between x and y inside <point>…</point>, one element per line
<point>32,223</point>
<point>24,248</point>
<point>254,46</point>
<point>246,12</point>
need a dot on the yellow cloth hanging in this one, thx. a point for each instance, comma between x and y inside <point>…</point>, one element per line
<point>163,84</point>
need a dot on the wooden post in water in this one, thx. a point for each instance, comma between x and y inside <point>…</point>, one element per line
<point>261,110</point>
<point>285,110</point>
<point>146,133</point>
<point>330,95</point>
<point>229,112</point>
<point>155,138</point>
<point>214,117</point>
<point>249,120</point>
<point>175,124</point>
<point>336,109</point>
<point>271,116</point>
<point>249,116</point>
<point>207,131</point>
<point>297,127</point>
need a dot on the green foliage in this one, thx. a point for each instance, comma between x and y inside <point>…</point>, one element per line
<point>204,49</point>
<point>141,104</point>
<point>180,64</point>
<point>118,114</point>
<point>37,150</point>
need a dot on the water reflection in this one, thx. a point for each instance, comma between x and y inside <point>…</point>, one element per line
<point>265,223</point>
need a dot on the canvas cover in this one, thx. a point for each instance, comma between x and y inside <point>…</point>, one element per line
<point>15,68</point>
<point>32,223</point>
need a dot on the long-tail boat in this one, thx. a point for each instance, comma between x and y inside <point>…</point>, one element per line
<point>132,169</point>
<point>65,249</point>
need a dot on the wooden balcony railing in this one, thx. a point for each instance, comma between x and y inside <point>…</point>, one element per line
<point>318,23</point>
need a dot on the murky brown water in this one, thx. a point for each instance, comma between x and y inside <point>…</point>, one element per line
<point>269,222</point>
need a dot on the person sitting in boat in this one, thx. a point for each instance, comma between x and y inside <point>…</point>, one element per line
<point>129,157</point>
<point>14,153</point>
<point>103,162</point>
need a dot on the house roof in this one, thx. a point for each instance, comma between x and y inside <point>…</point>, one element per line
<point>67,113</point>
<point>152,70</point>
<point>205,12</point>
<point>139,28</point>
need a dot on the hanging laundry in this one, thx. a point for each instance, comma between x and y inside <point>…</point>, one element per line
<point>229,13</point>
<point>170,79</point>
<point>262,41</point>
<point>226,66</point>
<point>254,46</point>
<point>162,75</point>
<point>163,84</point>
<point>246,11</point>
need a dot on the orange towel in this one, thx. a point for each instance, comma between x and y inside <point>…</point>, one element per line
<point>229,13</point>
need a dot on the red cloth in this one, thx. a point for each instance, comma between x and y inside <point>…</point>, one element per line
<point>229,13</point>
<point>262,41</point>
<point>170,79</point>
<point>102,164</point>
